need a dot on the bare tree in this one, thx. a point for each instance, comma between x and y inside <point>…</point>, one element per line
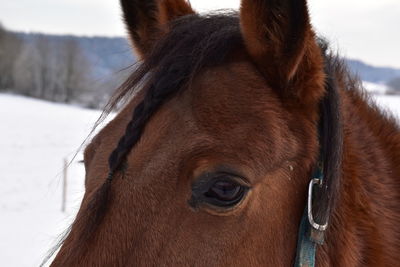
<point>76,70</point>
<point>33,68</point>
<point>24,73</point>
<point>10,46</point>
<point>54,69</point>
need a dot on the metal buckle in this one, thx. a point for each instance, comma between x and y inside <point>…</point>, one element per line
<point>315,225</point>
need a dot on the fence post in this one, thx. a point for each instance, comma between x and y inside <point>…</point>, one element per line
<point>64,186</point>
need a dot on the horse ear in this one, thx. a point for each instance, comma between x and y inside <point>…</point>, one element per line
<point>146,20</point>
<point>276,33</point>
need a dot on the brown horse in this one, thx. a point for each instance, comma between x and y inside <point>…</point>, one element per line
<point>233,115</point>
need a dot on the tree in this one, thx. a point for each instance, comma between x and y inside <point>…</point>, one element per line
<point>34,69</point>
<point>53,68</point>
<point>75,69</point>
<point>10,45</point>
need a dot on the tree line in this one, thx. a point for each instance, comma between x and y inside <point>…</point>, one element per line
<point>59,70</point>
<point>46,68</point>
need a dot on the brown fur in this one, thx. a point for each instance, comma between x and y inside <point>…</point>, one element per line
<point>241,115</point>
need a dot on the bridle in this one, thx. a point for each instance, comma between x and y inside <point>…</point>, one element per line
<point>312,233</point>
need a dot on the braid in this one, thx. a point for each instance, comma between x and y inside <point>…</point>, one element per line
<point>158,93</point>
<point>170,74</point>
<point>134,129</point>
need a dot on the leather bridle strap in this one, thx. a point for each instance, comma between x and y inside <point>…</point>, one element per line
<point>311,234</point>
<point>325,176</point>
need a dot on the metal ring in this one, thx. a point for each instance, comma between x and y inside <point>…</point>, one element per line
<point>316,226</point>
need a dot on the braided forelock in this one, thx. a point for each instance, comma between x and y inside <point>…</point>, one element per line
<point>172,65</point>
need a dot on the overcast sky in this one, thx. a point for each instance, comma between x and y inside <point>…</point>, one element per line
<point>363,29</point>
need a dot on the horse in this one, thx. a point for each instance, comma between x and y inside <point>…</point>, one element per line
<point>242,140</point>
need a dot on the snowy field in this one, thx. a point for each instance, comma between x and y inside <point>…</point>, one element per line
<point>35,137</point>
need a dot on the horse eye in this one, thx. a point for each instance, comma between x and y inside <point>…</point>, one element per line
<point>220,190</point>
<point>225,193</point>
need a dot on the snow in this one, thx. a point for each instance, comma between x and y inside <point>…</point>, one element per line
<point>375,88</point>
<point>389,103</point>
<point>35,137</point>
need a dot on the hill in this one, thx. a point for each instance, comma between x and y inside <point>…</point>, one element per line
<point>371,73</point>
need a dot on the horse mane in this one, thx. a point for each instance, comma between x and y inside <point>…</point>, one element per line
<point>330,135</point>
<point>193,44</point>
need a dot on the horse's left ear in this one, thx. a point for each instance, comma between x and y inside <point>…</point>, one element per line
<point>147,20</point>
<point>276,34</point>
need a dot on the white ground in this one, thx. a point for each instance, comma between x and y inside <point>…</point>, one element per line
<point>375,88</point>
<point>35,137</point>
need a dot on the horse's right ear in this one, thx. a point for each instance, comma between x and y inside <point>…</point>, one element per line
<point>146,20</point>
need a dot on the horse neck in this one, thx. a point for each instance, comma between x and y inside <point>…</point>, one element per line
<point>366,220</point>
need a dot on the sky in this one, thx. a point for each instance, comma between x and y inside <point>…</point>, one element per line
<point>363,29</point>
